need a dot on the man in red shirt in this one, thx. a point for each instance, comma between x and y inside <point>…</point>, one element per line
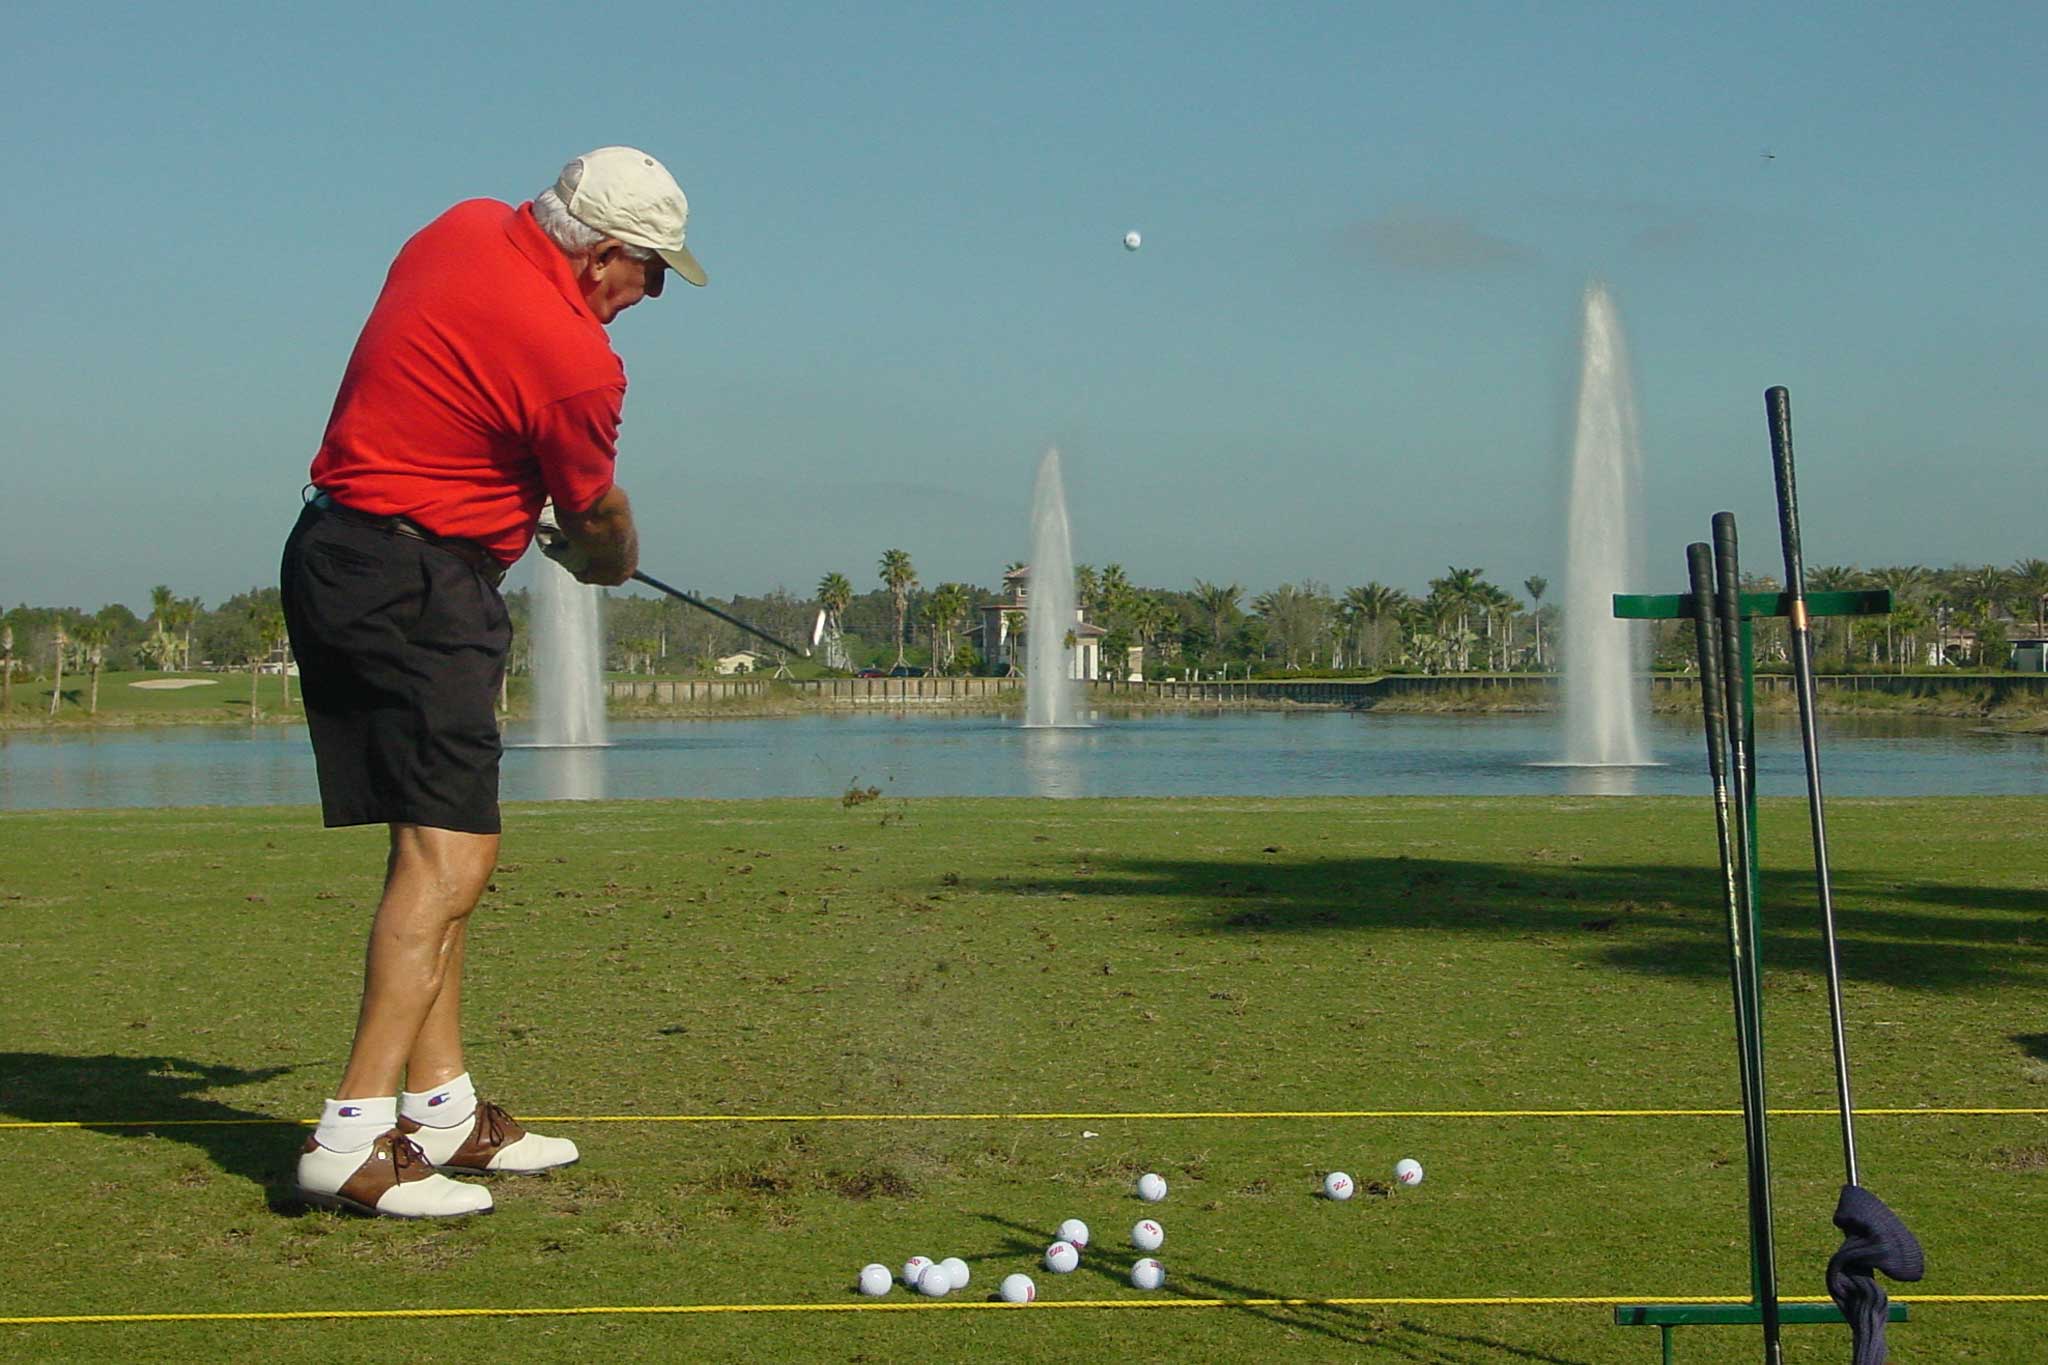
<point>483,386</point>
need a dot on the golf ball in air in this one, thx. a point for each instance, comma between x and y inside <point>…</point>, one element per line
<point>1337,1185</point>
<point>1408,1171</point>
<point>1060,1258</point>
<point>957,1271</point>
<point>1147,1274</point>
<point>1075,1231</point>
<point>874,1280</point>
<point>1146,1235</point>
<point>936,1282</point>
<point>913,1268</point>
<point>1018,1289</point>
<point>1151,1187</point>
<point>1132,241</point>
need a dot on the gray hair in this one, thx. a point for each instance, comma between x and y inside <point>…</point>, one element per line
<point>568,232</point>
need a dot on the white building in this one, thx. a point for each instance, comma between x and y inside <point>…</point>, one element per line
<point>1003,637</point>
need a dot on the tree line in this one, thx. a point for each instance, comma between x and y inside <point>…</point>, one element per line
<point>1462,621</point>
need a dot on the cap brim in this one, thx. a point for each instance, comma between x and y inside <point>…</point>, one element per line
<point>683,263</point>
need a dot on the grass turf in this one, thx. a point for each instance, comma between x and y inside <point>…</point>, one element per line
<point>1091,958</point>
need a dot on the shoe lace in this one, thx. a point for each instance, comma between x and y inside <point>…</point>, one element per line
<point>490,1122</point>
<point>406,1154</point>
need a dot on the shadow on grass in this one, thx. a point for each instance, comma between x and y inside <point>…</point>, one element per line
<point>1657,919</point>
<point>2035,1045</point>
<point>1354,1326</point>
<point>104,1094</point>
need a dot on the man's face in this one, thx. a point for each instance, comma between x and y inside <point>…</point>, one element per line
<point>614,281</point>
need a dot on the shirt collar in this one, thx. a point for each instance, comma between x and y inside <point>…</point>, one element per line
<point>534,244</point>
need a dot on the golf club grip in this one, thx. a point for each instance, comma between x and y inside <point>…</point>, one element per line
<point>1728,606</point>
<point>1778,412</point>
<point>1699,561</point>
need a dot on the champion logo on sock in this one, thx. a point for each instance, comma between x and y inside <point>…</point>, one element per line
<point>349,1111</point>
<point>438,1100</point>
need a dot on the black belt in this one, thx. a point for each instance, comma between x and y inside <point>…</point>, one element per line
<point>468,551</point>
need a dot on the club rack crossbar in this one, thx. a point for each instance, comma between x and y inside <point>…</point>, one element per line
<point>1754,606</point>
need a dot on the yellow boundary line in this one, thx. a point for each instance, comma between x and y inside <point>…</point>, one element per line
<point>1095,1117</point>
<point>702,1309</point>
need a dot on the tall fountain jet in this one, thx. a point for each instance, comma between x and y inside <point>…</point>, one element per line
<point>1048,668</point>
<point>1604,699</point>
<point>567,661</point>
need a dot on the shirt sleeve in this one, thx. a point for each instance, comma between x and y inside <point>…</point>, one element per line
<point>576,440</point>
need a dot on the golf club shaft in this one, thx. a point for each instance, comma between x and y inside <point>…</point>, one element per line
<point>1778,410</point>
<point>1728,604</point>
<point>1713,706</point>
<point>731,620</point>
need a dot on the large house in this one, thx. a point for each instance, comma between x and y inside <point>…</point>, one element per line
<point>1003,637</point>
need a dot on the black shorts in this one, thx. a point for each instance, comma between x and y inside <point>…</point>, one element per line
<point>401,648</point>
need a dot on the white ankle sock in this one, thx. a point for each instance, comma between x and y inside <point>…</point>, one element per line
<point>442,1107</point>
<point>351,1125</point>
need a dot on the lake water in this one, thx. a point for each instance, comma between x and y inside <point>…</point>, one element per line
<point>1171,753</point>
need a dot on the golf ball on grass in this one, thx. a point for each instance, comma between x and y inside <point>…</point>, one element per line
<point>1018,1289</point>
<point>875,1280</point>
<point>1151,1187</point>
<point>1147,1235</point>
<point>1147,1273</point>
<point>936,1282</point>
<point>956,1270</point>
<point>1337,1185</point>
<point>1061,1258</point>
<point>1075,1231</point>
<point>1408,1171</point>
<point>913,1268</point>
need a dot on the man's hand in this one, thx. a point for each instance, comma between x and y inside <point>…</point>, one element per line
<point>556,545</point>
<point>603,535</point>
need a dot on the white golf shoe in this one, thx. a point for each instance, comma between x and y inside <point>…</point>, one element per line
<point>391,1178</point>
<point>490,1142</point>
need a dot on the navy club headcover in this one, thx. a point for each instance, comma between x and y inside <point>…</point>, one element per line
<point>1877,1240</point>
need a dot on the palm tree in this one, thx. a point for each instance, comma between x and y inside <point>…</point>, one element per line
<point>2030,579</point>
<point>1086,586</point>
<point>1374,605</point>
<point>6,669</point>
<point>941,612</point>
<point>91,637</point>
<point>1903,582</point>
<point>1219,604</point>
<point>1460,590</point>
<point>271,636</point>
<point>188,611</point>
<point>57,685</point>
<point>835,594</point>
<point>899,576</point>
<point>163,606</point>
<point>1536,585</point>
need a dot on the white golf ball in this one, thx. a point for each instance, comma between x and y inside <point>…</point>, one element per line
<point>1075,1231</point>
<point>936,1282</point>
<point>1132,241</point>
<point>1147,1274</point>
<point>1060,1258</point>
<point>1408,1171</point>
<point>1337,1185</point>
<point>957,1270</point>
<point>913,1268</point>
<point>1146,1235</point>
<point>1018,1289</point>
<point>1151,1187</point>
<point>875,1280</point>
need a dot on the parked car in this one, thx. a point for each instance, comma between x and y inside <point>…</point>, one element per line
<point>871,673</point>
<point>906,671</point>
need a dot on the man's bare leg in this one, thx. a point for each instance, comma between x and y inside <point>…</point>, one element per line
<point>432,881</point>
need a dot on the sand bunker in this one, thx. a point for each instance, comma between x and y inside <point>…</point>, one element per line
<point>166,684</point>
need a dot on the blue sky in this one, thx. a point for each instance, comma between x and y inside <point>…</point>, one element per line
<point>1346,351</point>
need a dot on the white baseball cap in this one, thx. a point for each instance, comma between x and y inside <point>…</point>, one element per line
<point>626,194</point>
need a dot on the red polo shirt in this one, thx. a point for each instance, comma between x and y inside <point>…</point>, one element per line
<point>481,385</point>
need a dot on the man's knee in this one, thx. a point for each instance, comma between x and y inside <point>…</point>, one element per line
<point>449,866</point>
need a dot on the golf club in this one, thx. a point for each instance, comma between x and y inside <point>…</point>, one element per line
<point>1877,1238</point>
<point>700,604</point>
<point>1728,607</point>
<point>1713,706</point>
<point>552,536</point>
